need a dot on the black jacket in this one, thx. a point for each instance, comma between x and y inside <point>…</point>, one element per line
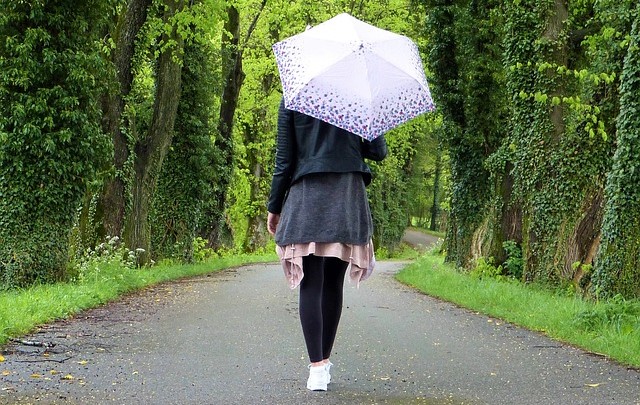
<point>308,145</point>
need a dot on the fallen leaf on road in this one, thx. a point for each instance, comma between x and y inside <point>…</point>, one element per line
<point>6,372</point>
<point>36,375</point>
<point>593,385</point>
<point>1,358</point>
<point>82,362</point>
<point>67,377</point>
<point>54,372</point>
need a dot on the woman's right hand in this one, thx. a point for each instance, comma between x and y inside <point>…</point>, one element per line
<point>272,222</point>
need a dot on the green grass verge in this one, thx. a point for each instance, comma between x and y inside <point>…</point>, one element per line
<point>22,311</point>
<point>608,328</point>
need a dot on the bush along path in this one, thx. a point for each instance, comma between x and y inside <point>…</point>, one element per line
<point>233,338</point>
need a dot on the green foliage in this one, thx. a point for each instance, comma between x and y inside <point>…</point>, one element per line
<point>51,144</point>
<point>90,264</point>
<point>201,252</point>
<point>402,252</point>
<point>486,269</point>
<point>560,108</point>
<point>618,265</point>
<point>510,269</point>
<point>514,265</point>
<point>620,314</point>
<point>425,179</point>
<point>465,56</point>
<point>391,193</point>
<point>191,168</point>
<point>254,139</point>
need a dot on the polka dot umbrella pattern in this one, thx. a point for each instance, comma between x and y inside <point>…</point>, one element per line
<point>353,75</point>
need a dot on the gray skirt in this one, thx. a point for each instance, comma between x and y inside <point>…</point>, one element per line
<point>326,207</point>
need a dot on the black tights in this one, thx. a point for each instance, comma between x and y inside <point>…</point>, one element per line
<point>321,303</point>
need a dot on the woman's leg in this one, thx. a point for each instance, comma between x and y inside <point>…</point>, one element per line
<point>310,306</point>
<point>332,292</point>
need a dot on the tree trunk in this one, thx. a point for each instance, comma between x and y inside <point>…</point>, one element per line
<point>618,263</point>
<point>561,57</point>
<point>435,208</point>
<point>257,234</point>
<point>217,230</point>
<point>543,242</point>
<point>585,240</point>
<point>111,206</point>
<point>151,149</point>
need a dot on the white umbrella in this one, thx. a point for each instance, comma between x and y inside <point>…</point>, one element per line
<point>353,75</point>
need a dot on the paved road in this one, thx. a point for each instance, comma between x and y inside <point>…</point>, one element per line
<point>419,240</point>
<point>233,338</point>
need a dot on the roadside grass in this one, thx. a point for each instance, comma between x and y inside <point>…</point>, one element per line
<point>21,311</point>
<point>609,328</point>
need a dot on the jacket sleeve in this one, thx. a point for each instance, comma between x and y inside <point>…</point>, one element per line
<point>285,160</point>
<point>375,150</point>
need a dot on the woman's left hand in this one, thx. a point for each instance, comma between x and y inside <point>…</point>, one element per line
<point>272,222</point>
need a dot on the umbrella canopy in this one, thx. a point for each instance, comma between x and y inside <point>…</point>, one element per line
<point>353,75</point>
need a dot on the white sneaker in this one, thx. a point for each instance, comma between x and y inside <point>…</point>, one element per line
<point>317,378</point>
<point>328,368</point>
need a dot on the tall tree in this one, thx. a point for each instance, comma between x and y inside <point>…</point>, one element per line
<point>554,97</point>
<point>618,265</point>
<point>111,206</point>
<point>437,189</point>
<point>217,230</point>
<point>192,166</point>
<point>51,143</point>
<point>151,147</point>
<point>464,61</point>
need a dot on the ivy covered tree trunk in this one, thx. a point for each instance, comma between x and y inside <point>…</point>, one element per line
<point>444,65</point>
<point>525,21</point>
<point>110,212</point>
<point>152,148</point>
<point>51,143</point>
<point>618,262</point>
<point>190,167</point>
<point>257,234</point>
<point>258,131</point>
<point>466,69</point>
<point>558,183</point>
<point>543,216</point>
<point>437,179</point>
<point>216,230</point>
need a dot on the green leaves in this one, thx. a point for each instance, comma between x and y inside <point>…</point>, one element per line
<point>618,261</point>
<point>50,81</point>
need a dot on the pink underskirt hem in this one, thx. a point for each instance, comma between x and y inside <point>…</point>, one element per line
<point>361,259</point>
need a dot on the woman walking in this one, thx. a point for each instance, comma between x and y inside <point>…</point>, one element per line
<point>320,217</point>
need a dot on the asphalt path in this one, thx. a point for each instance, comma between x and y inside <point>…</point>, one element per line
<point>233,337</point>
